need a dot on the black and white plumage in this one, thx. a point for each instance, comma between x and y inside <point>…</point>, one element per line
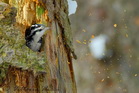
<point>33,36</point>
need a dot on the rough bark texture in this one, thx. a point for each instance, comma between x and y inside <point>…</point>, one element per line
<point>58,76</point>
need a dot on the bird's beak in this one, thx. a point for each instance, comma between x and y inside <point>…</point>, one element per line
<point>47,28</point>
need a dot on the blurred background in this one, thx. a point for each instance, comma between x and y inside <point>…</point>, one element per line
<point>106,41</point>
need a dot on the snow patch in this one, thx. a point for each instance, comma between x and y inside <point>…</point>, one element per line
<point>72,6</point>
<point>98,46</point>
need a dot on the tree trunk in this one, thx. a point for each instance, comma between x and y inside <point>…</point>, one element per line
<point>24,71</point>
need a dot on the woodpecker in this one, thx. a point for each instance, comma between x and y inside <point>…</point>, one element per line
<point>33,36</point>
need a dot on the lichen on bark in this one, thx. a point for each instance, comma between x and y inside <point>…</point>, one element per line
<point>13,50</point>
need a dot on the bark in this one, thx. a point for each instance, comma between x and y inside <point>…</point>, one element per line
<point>30,75</point>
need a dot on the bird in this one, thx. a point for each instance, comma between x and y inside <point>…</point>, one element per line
<point>34,35</point>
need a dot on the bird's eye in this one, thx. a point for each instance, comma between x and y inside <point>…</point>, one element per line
<point>32,27</point>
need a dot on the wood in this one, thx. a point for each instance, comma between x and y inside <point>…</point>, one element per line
<point>58,74</point>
